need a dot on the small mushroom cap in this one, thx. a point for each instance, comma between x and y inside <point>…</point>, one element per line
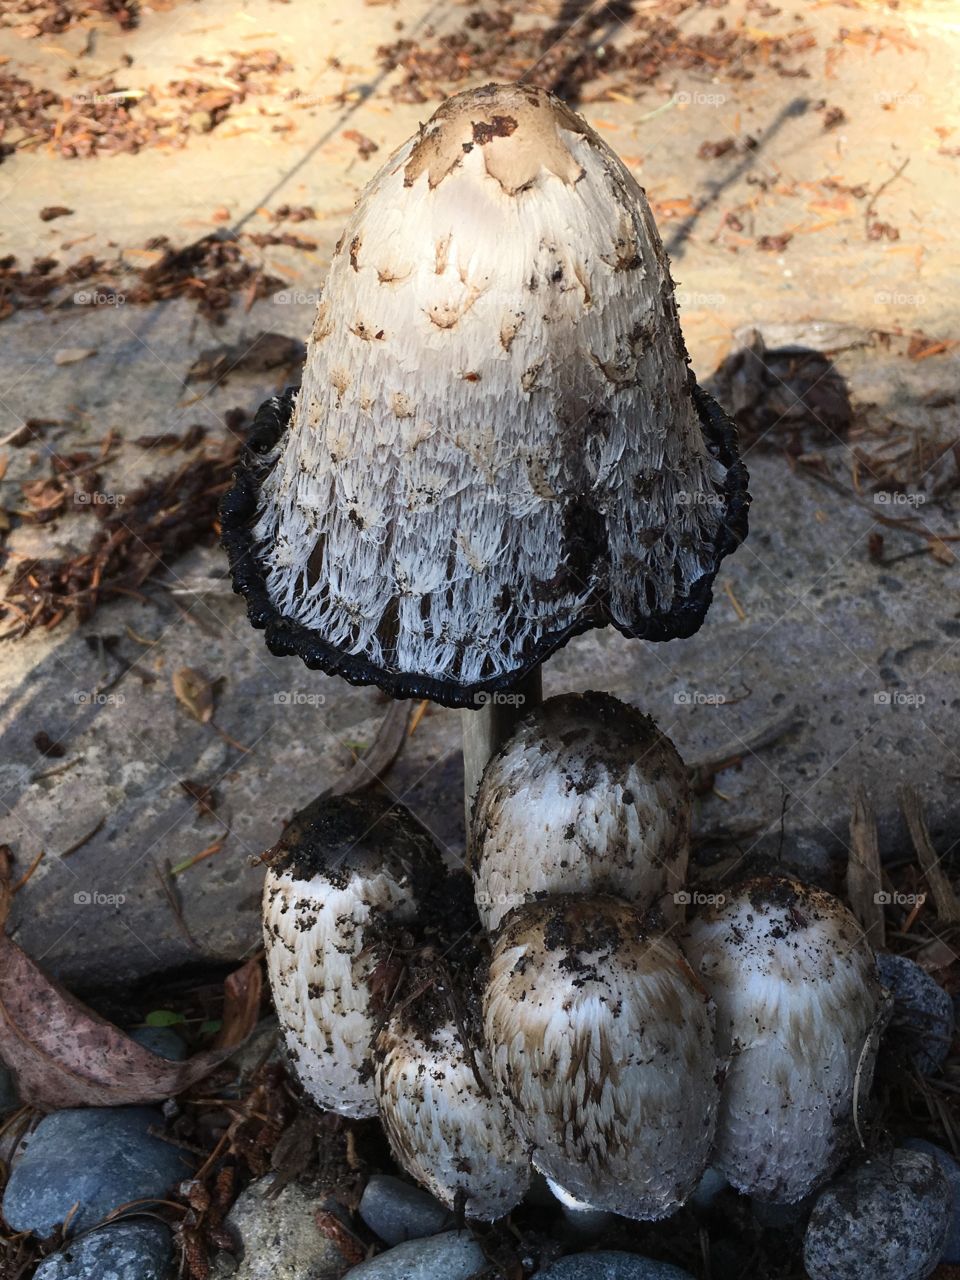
<point>798,1010</point>
<point>587,795</point>
<point>345,874</point>
<point>601,1038</point>
<point>497,442</point>
<point>447,1125</point>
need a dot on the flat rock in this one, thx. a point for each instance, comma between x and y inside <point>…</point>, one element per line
<point>396,1211</point>
<point>278,1237</point>
<point>454,1255</point>
<point>99,1159</point>
<point>951,1170</point>
<point>121,1251</point>
<point>837,646</point>
<point>611,1265</point>
<point>884,1220</point>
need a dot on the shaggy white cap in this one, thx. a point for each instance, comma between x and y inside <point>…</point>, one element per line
<point>798,1004</point>
<point>346,871</point>
<point>496,441</point>
<point>602,1039</point>
<point>446,1124</point>
<point>587,796</point>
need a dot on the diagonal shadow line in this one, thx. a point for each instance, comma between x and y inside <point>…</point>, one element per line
<point>715,189</point>
<point>425,19</point>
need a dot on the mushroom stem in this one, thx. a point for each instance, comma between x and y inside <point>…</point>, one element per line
<point>485,731</point>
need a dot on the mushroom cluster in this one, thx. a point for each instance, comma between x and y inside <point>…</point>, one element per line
<point>498,444</point>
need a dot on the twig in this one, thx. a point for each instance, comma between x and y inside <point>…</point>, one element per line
<point>167,887</point>
<point>29,872</point>
<point>703,771</point>
<point>871,208</point>
<point>84,839</point>
<point>208,852</point>
<point>863,870</point>
<point>379,756</point>
<point>948,906</point>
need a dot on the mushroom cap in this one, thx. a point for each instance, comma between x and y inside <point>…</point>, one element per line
<point>601,1038</point>
<point>347,872</point>
<point>446,1124</point>
<point>798,1007</point>
<point>587,795</point>
<point>497,442</point>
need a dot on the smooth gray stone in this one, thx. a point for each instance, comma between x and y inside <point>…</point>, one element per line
<point>885,1220</point>
<point>100,1158</point>
<point>278,1236</point>
<point>922,1023</point>
<point>949,1166</point>
<point>162,1041</point>
<point>396,1211</point>
<point>455,1255</point>
<point>611,1265</point>
<point>121,1251</point>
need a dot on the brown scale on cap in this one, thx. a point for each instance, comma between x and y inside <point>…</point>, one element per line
<point>529,117</point>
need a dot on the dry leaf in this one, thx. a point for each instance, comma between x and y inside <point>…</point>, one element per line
<point>195,692</point>
<point>71,355</point>
<point>62,1054</point>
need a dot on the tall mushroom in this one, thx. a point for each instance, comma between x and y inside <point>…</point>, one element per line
<point>497,443</point>
<point>588,796</point>
<point>601,1038</point>
<point>347,872</point>
<point>798,1014</point>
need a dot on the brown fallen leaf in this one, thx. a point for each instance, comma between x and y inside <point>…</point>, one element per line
<point>195,692</point>
<point>62,1054</point>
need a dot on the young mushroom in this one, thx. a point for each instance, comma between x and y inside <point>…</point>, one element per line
<point>446,1123</point>
<point>586,796</point>
<point>345,876</point>
<point>497,443</point>
<point>799,1009</point>
<point>601,1038</point>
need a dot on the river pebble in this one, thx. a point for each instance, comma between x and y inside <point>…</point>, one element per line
<point>98,1158</point>
<point>885,1220</point>
<point>120,1251</point>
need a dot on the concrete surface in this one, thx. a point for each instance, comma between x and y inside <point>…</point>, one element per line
<point>850,645</point>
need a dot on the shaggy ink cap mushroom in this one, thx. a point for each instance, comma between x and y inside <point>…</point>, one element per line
<point>346,875</point>
<point>497,442</point>
<point>586,796</point>
<point>799,1010</point>
<point>445,1121</point>
<point>601,1038</point>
